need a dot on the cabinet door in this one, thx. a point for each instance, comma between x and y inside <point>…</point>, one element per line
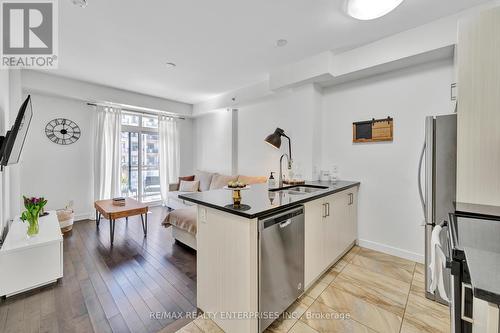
<point>352,219</point>
<point>342,216</point>
<point>333,234</point>
<point>486,317</point>
<point>314,240</point>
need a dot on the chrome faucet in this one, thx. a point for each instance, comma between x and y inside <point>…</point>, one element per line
<point>275,141</point>
<point>280,178</point>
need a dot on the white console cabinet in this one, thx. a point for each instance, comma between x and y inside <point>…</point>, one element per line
<point>29,263</point>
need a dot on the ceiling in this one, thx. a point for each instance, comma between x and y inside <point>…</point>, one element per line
<point>218,45</point>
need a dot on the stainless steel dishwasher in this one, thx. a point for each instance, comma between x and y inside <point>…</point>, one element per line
<point>281,263</point>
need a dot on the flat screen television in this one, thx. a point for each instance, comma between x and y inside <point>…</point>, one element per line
<point>13,142</point>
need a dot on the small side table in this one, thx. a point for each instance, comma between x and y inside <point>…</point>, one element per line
<point>111,212</point>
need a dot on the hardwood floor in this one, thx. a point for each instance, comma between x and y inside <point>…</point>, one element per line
<point>366,291</point>
<point>111,289</point>
<point>121,289</point>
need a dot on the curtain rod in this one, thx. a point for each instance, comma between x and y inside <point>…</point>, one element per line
<point>138,110</point>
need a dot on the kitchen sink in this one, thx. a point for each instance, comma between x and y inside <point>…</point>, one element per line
<point>305,189</point>
<point>300,189</point>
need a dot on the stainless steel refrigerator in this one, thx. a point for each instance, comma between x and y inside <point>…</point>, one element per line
<point>438,161</point>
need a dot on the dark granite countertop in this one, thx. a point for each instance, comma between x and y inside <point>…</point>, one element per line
<point>261,200</point>
<point>484,268</point>
<point>478,234</point>
<point>464,208</point>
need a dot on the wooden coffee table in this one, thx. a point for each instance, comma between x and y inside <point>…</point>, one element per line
<point>111,212</point>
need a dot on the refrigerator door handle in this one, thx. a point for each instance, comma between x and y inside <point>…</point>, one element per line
<point>420,190</point>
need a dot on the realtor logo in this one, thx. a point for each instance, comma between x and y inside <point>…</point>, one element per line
<point>29,34</point>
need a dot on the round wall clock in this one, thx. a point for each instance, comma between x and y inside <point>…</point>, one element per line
<point>62,131</point>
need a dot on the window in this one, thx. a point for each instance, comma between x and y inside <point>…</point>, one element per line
<point>140,161</point>
<point>150,122</point>
<point>130,119</point>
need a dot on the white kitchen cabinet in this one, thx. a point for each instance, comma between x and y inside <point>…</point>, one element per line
<point>478,135</point>
<point>486,317</point>
<point>345,216</point>
<point>333,230</point>
<point>314,239</point>
<point>330,230</point>
<point>352,220</point>
<point>235,252</point>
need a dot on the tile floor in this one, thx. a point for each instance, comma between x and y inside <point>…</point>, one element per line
<point>366,291</point>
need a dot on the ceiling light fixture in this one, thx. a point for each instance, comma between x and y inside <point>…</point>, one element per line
<point>170,65</point>
<point>370,9</point>
<point>281,42</point>
<point>80,3</point>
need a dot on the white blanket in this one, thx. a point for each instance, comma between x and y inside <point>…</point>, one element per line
<point>438,264</point>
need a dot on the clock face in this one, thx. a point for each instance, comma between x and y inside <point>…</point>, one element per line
<point>62,131</point>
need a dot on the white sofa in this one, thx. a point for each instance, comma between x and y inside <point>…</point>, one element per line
<point>185,231</point>
<point>208,181</point>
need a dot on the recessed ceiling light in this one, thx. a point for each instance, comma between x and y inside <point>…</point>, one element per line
<point>281,42</point>
<point>170,65</point>
<point>370,9</point>
<point>80,3</point>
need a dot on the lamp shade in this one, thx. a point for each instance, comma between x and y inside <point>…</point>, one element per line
<point>275,138</point>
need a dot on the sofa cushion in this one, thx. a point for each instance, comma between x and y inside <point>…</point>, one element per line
<point>186,186</point>
<point>219,181</point>
<point>175,202</point>
<point>251,180</point>
<point>205,178</point>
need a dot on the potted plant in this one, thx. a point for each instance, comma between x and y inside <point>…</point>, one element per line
<point>34,206</point>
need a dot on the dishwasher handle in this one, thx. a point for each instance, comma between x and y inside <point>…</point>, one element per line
<point>284,218</point>
<point>285,224</point>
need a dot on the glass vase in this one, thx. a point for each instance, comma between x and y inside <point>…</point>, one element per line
<point>33,227</point>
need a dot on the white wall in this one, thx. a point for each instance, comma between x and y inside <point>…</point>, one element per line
<point>296,112</point>
<point>389,208</point>
<point>13,171</point>
<point>213,142</point>
<point>59,173</point>
<point>320,125</point>
<point>64,173</point>
<point>4,111</point>
<point>48,84</point>
<point>10,101</point>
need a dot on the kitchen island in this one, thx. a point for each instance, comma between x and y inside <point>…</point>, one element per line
<point>229,249</point>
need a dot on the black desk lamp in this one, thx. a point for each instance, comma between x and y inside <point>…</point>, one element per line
<point>275,141</point>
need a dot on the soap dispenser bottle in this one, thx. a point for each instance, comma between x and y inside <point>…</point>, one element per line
<point>271,182</point>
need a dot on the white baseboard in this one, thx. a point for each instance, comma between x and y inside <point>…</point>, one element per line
<point>391,250</point>
<point>84,216</point>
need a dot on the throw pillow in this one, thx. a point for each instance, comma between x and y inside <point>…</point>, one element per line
<point>188,178</point>
<point>219,181</point>
<point>189,186</point>
<point>205,178</point>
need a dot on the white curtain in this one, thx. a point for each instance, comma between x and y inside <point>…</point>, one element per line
<point>169,154</point>
<point>107,153</point>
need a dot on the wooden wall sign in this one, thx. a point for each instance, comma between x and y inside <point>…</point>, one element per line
<point>374,130</point>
